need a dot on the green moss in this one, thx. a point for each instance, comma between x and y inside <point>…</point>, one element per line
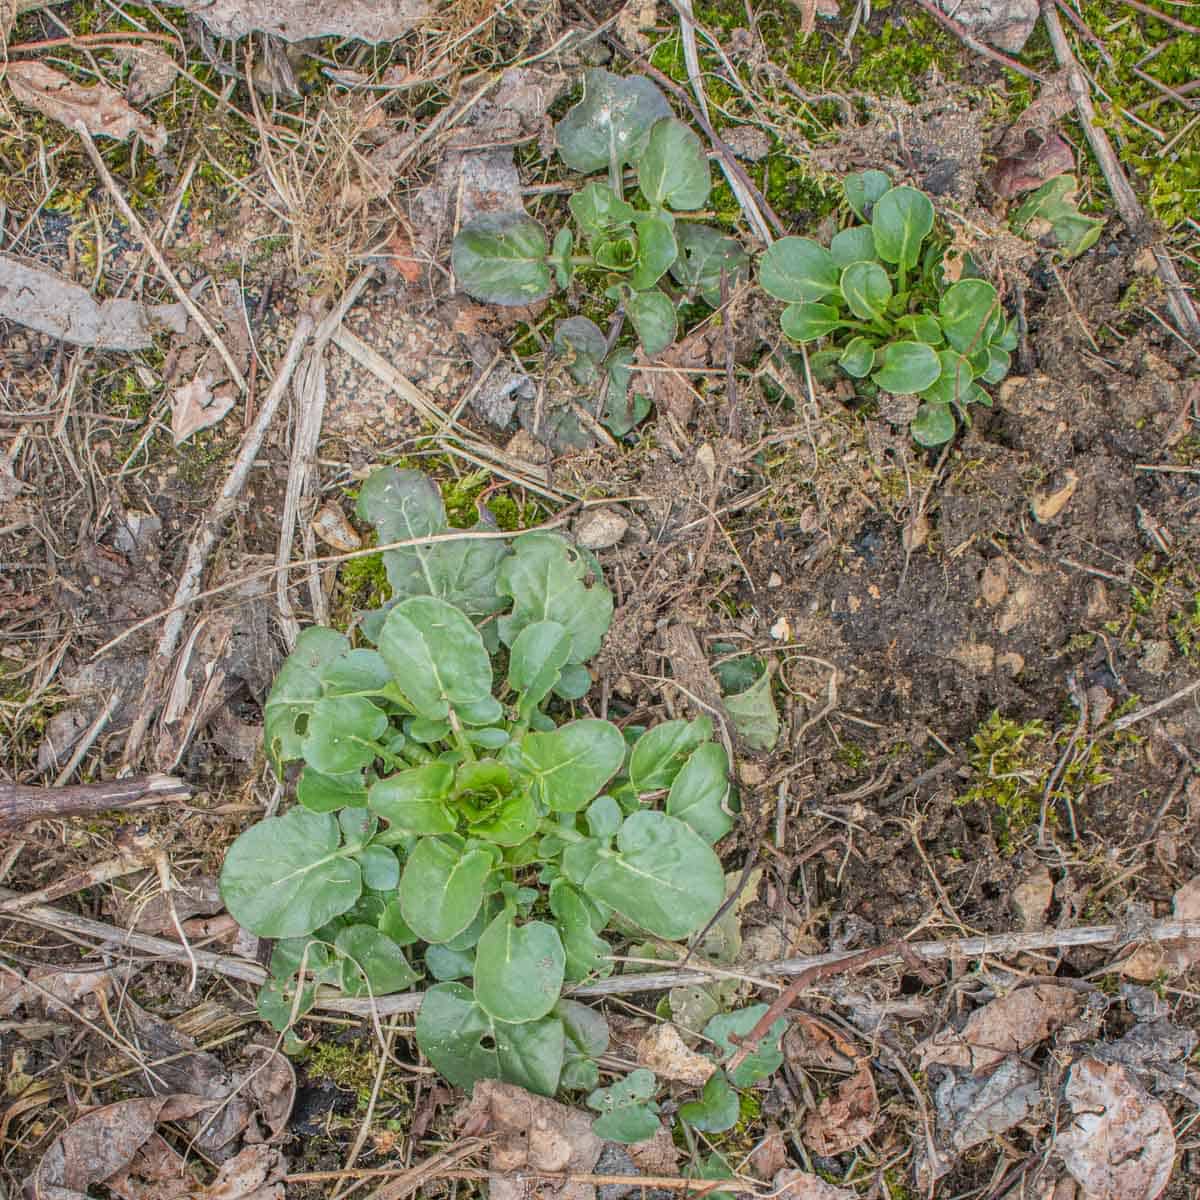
<point>1010,761</point>
<point>897,58</point>
<point>351,1066</point>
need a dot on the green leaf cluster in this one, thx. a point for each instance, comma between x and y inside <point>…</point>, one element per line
<point>877,294</point>
<point>1052,209</point>
<point>454,823</point>
<point>629,245</point>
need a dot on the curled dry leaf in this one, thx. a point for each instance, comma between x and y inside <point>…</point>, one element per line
<point>194,407</point>
<point>333,527</point>
<point>1048,505</point>
<point>295,20</point>
<point>255,1173</point>
<point>800,1185</point>
<point>1119,1144</point>
<point>531,1133</point>
<point>1005,1026</point>
<point>846,1118</point>
<point>664,1051</point>
<point>103,111</point>
<point>972,1110</point>
<point>1149,961</point>
<point>271,1084</point>
<point>54,991</point>
<point>152,71</point>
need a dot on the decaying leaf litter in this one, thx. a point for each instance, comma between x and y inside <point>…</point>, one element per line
<point>981,663</point>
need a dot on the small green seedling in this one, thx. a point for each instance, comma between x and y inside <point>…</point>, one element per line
<point>1052,210</point>
<point>627,1110</point>
<point>465,827</point>
<point>629,244</point>
<point>717,1109</point>
<point>876,293</point>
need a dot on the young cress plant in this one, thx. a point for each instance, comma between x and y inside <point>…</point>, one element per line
<point>630,243</point>
<point>877,293</point>
<point>460,826</point>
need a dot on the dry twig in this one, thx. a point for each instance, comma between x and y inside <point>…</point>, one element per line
<point>19,805</point>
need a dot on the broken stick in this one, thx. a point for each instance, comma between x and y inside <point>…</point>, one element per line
<point>19,805</point>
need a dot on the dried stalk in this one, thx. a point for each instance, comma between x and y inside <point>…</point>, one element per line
<point>19,805</point>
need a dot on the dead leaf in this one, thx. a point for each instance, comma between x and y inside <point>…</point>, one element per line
<point>44,301</point>
<point>1005,1026</point>
<point>256,1173</point>
<point>103,111</point>
<point>54,991</point>
<point>531,1133</point>
<point>194,407</point>
<point>272,1087</point>
<point>1032,896</point>
<point>1173,957</point>
<point>770,1156</point>
<point>634,20</point>
<point>973,1110</point>
<point>667,1055</point>
<point>196,897</point>
<point>656,1155</point>
<point>152,71</point>
<point>794,1184</point>
<point>1120,1144</point>
<point>103,1143</point>
<point>813,1045</point>
<point>1041,160</point>
<point>333,527</point>
<point>296,20</point>
<point>846,1118</point>
<point>1047,505</point>
<point>401,257</point>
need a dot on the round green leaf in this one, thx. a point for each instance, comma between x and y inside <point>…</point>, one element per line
<point>415,800</point>
<point>866,289</point>
<point>587,1038</point>
<point>380,868</point>
<point>703,255</point>
<point>373,964</point>
<point>571,765</point>
<point>512,823</point>
<point>754,714</point>
<point>441,888</point>
<point>289,875</point>
<point>700,793</point>
<point>662,876</point>
<point>863,189</point>
<point>953,384</point>
<point>436,656</point>
<point>718,1108</point>
<point>673,169</point>
<point>656,252</point>
<point>518,969</point>
<point>466,1045</point>
<point>627,1109</point>
<point>586,952</point>
<point>901,220</point>
<point>922,327</point>
<point>659,754</point>
<point>933,424</point>
<point>583,344</point>
<point>341,735</point>
<point>965,309</point>
<point>296,689</point>
<point>500,258</point>
<point>856,244</point>
<point>998,364</point>
<point>617,252</point>
<point>797,269</point>
<point>764,1061</point>
<point>328,793</point>
<point>535,663</point>
<point>908,367</point>
<point>653,317</point>
<point>808,322</point>
<point>858,357</point>
<point>611,123</point>
<point>599,211</point>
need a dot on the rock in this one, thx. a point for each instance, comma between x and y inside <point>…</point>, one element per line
<point>1005,24</point>
<point>600,528</point>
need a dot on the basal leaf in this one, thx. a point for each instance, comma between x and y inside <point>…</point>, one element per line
<point>858,357</point>
<point>907,367</point>
<point>437,657</point>
<point>571,765</point>
<point>373,964</point>
<point>296,689</point>
<point>289,875</point>
<point>952,386</point>
<point>441,888</point>
<point>659,754</point>
<point>922,328</point>
<point>866,289</point>
<point>466,1045</point>
<point>518,969</point>
<point>656,252</point>
<point>623,410</point>
<point>599,211</point>
<point>612,123</point>
<point>535,663</point>
<point>414,801</point>
<point>700,793</point>
<point>500,258</point>
<point>764,1061</point>
<point>328,793</point>
<point>933,424</point>
<point>627,1109</point>
<point>797,269</point>
<point>808,322</point>
<point>901,220</point>
<point>965,309</point>
<point>856,244</point>
<point>586,1039</point>
<point>380,868</point>
<point>586,952</point>
<point>547,579</point>
<point>717,1109</point>
<point>653,317</point>
<point>704,254</point>
<point>342,734</point>
<point>583,344</point>
<point>998,364</point>
<point>863,189</point>
<point>754,714</point>
<point>662,876</point>
<point>673,169</point>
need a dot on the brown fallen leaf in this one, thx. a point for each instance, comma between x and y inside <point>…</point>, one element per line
<point>1040,160</point>
<point>1004,1026</point>
<point>814,1045</point>
<point>770,1156</point>
<point>1120,1144</point>
<point>152,71</point>
<point>846,1118</point>
<point>271,1084</point>
<point>664,1051</point>
<point>103,1143</point>
<point>794,1184</point>
<point>53,991</point>
<point>531,1133</point>
<point>156,1172</point>
<point>295,20</point>
<point>1149,960</point>
<point>103,111</point>
<point>1047,505</point>
<point>333,527</point>
<point>401,256</point>
<point>194,407</point>
<point>256,1173</point>
<point>657,1155</point>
